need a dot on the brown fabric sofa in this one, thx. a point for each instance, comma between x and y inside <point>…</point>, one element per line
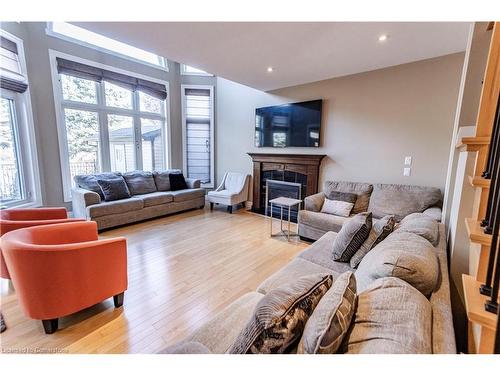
<point>380,199</point>
<point>391,317</point>
<point>151,197</point>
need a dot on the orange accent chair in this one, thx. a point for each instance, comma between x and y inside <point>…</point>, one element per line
<point>18,218</point>
<point>60,269</point>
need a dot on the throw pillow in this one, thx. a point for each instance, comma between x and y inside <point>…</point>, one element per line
<point>177,181</point>
<point>114,189</point>
<point>342,196</point>
<point>140,182</point>
<point>162,179</point>
<point>89,182</point>
<point>352,235</point>
<point>330,321</point>
<point>403,255</point>
<point>380,230</point>
<point>280,316</point>
<point>421,224</point>
<point>339,208</point>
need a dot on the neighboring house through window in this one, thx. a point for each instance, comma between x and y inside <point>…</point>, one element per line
<point>108,119</point>
<point>19,179</point>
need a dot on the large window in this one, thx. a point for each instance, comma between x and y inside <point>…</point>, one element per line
<point>19,180</point>
<point>88,38</point>
<point>198,132</point>
<point>108,126</point>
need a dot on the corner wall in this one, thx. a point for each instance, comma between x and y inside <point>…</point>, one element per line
<point>371,121</point>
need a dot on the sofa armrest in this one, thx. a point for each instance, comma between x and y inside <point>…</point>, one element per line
<point>193,183</point>
<point>434,212</point>
<point>81,198</point>
<point>314,202</point>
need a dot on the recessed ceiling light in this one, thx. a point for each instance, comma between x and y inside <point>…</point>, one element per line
<point>270,69</point>
<point>382,38</point>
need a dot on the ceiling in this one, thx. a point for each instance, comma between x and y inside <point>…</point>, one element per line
<point>298,52</point>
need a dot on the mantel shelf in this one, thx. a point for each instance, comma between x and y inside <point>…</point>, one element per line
<point>479,182</point>
<point>474,304</point>
<point>473,143</point>
<point>476,232</point>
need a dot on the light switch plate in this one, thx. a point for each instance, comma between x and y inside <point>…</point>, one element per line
<point>408,160</point>
<point>406,172</point>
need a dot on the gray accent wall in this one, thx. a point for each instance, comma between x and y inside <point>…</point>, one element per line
<point>371,121</point>
<point>36,45</point>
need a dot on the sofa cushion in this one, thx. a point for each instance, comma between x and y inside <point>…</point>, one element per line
<point>380,230</point>
<point>362,190</point>
<point>321,220</point>
<point>115,207</point>
<point>320,253</point>
<point>421,224</point>
<point>89,182</point>
<point>402,200</point>
<point>114,188</point>
<point>404,255</point>
<point>392,317</point>
<point>330,321</point>
<point>177,181</point>
<point>186,347</point>
<point>220,332</point>
<point>279,318</point>
<point>293,270</point>
<point>162,179</point>
<point>140,182</point>
<point>339,208</point>
<point>187,194</point>
<point>156,198</point>
<point>352,235</point>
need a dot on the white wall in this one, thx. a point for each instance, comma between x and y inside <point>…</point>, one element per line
<point>371,121</point>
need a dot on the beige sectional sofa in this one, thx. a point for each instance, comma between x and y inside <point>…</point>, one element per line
<point>151,197</point>
<point>380,199</point>
<point>391,317</point>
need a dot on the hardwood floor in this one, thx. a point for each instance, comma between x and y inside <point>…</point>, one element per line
<point>182,270</point>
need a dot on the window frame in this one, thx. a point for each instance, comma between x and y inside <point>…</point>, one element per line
<point>25,128</point>
<point>211,184</point>
<point>103,111</point>
<point>185,73</point>
<point>50,32</point>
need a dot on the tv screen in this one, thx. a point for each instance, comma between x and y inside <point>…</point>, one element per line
<point>288,125</point>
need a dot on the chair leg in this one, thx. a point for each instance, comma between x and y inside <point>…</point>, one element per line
<point>230,209</point>
<point>211,206</point>
<point>118,299</point>
<point>50,325</point>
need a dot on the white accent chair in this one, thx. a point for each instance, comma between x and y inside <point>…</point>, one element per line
<point>232,190</point>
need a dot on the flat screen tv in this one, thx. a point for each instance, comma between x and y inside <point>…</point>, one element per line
<point>288,125</point>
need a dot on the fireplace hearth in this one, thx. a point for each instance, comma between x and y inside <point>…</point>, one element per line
<point>296,169</point>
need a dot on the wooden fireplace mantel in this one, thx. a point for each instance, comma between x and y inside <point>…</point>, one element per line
<point>307,164</point>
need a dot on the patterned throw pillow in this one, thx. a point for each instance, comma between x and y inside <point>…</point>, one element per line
<point>279,318</point>
<point>338,208</point>
<point>380,230</point>
<point>114,189</point>
<point>331,319</point>
<point>352,235</point>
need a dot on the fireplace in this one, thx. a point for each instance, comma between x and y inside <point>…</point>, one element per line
<point>296,169</point>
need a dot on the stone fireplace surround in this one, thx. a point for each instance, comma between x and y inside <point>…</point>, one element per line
<point>298,168</point>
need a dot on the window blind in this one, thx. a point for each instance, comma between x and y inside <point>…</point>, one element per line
<point>11,76</point>
<point>92,73</point>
